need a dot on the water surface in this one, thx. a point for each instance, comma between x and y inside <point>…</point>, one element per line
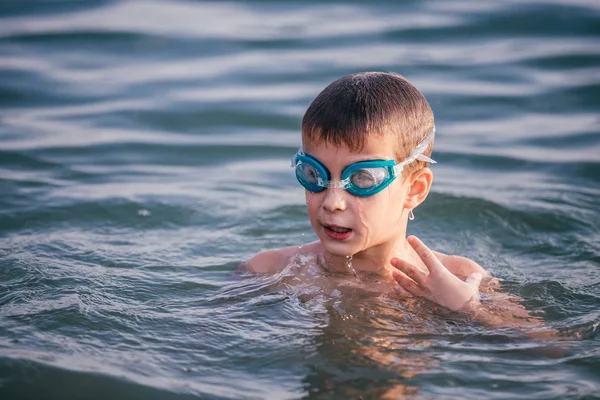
<point>144,152</point>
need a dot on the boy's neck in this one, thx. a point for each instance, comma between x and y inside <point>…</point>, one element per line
<point>373,261</point>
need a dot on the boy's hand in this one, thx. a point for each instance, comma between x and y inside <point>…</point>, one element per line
<point>437,284</point>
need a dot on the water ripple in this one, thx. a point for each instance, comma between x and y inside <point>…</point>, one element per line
<point>144,152</point>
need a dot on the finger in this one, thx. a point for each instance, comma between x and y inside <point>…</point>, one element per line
<point>409,270</point>
<point>401,291</point>
<point>408,284</point>
<point>398,276</point>
<point>474,280</point>
<point>425,254</point>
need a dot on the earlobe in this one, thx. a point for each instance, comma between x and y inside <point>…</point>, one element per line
<point>420,184</point>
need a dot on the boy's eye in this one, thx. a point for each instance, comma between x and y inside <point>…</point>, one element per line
<point>366,178</point>
<point>310,173</point>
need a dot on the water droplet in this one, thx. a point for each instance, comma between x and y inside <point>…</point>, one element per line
<point>350,267</point>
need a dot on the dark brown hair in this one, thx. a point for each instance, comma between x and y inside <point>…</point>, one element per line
<point>370,104</point>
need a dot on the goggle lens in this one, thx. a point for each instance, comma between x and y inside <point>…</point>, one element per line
<point>308,173</point>
<point>369,178</point>
<point>310,176</point>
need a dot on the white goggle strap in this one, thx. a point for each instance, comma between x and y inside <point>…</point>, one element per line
<point>421,147</point>
<point>293,160</point>
<point>417,153</point>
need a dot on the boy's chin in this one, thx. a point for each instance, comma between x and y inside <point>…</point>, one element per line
<point>340,249</point>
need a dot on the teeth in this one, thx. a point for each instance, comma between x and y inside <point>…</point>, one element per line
<point>339,230</point>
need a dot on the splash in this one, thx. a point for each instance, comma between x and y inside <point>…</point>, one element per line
<point>350,267</point>
<point>300,245</point>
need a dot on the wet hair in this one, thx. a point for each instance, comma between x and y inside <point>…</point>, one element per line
<point>370,104</point>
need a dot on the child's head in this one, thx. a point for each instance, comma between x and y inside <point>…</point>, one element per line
<point>353,134</point>
<point>370,105</point>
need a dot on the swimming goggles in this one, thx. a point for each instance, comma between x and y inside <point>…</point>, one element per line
<point>363,179</point>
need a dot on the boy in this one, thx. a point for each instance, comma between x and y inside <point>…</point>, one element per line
<point>366,143</point>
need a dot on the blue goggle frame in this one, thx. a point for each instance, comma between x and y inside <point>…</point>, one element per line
<point>382,172</point>
<point>322,178</point>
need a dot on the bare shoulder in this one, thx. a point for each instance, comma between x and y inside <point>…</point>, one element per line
<point>268,261</point>
<point>272,261</point>
<point>461,266</point>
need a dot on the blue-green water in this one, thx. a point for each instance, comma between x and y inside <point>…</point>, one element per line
<point>144,151</point>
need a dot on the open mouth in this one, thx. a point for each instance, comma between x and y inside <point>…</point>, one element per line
<point>337,232</point>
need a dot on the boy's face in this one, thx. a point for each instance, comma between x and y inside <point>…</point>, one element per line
<point>347,224</point>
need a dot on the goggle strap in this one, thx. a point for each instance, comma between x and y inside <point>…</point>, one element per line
<point>421,147</point>
<point>294,159</point>
<point>417,153</point>
<point>422,157</point>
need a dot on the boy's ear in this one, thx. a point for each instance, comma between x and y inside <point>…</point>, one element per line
<point>420,184</point>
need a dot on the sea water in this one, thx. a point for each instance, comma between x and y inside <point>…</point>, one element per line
<point>144,153</point>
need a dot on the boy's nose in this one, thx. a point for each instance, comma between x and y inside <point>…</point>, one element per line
<point>335,199</point>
